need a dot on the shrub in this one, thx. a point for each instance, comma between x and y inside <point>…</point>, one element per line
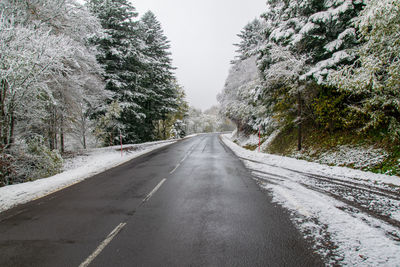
<point>7,168</point>
<point>39,161</point>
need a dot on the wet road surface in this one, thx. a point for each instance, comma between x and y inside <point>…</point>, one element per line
<point>192,203</point>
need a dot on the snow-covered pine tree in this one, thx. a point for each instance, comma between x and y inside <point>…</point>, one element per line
<point>375,76</point>
<point>120,54</point>
<point>326,35</point>
<point>280,65</point>
<point>175,126</point>
<point>318,33</point>
<point>320,30</point>
<point>251,36</point>
<point>158,82</point>
<point>178,118</point>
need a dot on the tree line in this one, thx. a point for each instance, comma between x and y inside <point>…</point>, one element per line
<point>73,74</point>
<point>331,65</point>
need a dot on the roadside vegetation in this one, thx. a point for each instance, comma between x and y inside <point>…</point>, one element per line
<point>76,76</point>
<point>322,77</point>
<point>367,152</point>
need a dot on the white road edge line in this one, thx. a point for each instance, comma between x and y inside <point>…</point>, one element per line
<point>154,190</point>
<point>102,245</point>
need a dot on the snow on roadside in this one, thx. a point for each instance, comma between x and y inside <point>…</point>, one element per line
<point>312,167</point>
<point>352,217</point>
<point>346,155</point>
<point>244,140</point>
<point>269,139</point>
<point>75,170</point>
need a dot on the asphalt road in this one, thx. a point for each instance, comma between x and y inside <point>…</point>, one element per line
<point>192,203</point>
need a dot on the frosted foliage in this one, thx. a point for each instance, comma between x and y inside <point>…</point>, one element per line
<point>334,18</point>
<point>240,88</point>
<point>376,72</point>
<point>280,34</point>
<point>321,17</point>
<point>47,66</point>
<point>334,45</point>
<point>308,28</point>
<point>321,69</point>
<point>210,120</point>
<point>59,16</point>
<point>242,73</point>
<point>286,67</point>
<point>251,39</point>
<point>29,59</point>
<point>348,33</point>
<point>302,41</point>
<point>314,29</point>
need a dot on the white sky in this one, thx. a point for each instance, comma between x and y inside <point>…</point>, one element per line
<point>202,34</point>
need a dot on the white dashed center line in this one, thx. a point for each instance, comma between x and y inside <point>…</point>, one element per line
<point>154,190</point>
<point>184,158</point>
<point>103,244</point>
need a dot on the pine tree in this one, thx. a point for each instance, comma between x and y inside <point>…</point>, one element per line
<point>375,76</point>
<point>158,83</point>
<point>138,68</point>
<point>122,59</point>
<point>175,126</point>
<point>321,30</point>
<point>304,41</point>
<point>251,37</point>
<point>326,35</point>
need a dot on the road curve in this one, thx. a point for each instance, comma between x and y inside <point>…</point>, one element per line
<point>192,203</point>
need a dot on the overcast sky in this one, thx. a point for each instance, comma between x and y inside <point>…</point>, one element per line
<point>202,34</point>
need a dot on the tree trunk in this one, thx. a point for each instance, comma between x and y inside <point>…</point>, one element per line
<point>6,129</point>
<point>330,126</point>
<point>3,94</point>
<point>52,134</point>
<point>158,130</point>
<point>12,127</point>
<point>299,133</point>
<point>55,130</point>
<point>83,129</point>
<point>164,130</point>
<point>84,141</point>
<point>62,146</point>
<point>51,145</point>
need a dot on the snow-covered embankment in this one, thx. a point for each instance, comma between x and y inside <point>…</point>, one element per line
<point>352,217</point>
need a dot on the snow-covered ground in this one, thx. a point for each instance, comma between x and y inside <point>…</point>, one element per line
<point>76,169</point>
<point>352,217</point>
<point>346,155</point>
<point>245,140</point>
<point>253,140</point>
